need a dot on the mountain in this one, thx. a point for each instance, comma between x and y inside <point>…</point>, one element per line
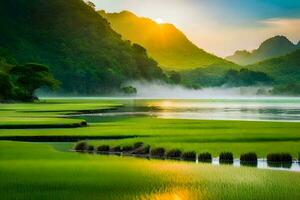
<point>271,48</point>
<point>75,42</point>
<point>164,42</point>
<point>283,70</point>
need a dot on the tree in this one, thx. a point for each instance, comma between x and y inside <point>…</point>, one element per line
<point>27,78</point>
<point>175,77</point>
<point>6,87</point>
<point>91,4</point>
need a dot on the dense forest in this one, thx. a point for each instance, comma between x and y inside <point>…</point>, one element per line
<point>78,45</point>
<point>284,70</point>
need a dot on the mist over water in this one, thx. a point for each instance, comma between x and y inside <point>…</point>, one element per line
<point>162,90</point>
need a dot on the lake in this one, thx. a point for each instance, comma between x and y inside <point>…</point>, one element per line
<point>252,109</point>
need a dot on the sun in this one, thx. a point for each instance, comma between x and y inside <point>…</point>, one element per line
<point>159,20</point>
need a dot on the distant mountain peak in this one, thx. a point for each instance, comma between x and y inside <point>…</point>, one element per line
<point>276,41</point>
<point>273,47</point>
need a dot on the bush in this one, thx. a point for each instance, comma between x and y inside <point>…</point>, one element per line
<point>81,146</point>
<point>142,150</point>
<point>83,123</point>
<point>204,157</point>
<point>248,158</point>
<point>279,158</point>
<point>174,153</point>
<point>116,149</point>
<point>189,156</point>
<point>127,148</point>
<point>138,145</point>
<point>226,157</point>
<point>90,149</point>
<point>103,148</point>
<point>158,152</point>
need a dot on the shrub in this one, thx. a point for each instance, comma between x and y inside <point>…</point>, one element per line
<point>103,148</point>
<point>204,157</point>
<point>81,146</point>
<point>142,150</point>
<point>279,158</point>
<point>189,156</point>
<point>127,148</point>
<point>138,145</point>
<point>158,152</point>
<point>286,158</point>
<point>116,149</point>
<point>226,157</point>
<point>248,159</point>
<point>174,153</point>
<point>90,149</point>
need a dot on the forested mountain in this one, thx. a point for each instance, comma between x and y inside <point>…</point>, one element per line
<point>164,42</point>
<point>283,70</point>
<point>75,42</point>
<point>271,48</point>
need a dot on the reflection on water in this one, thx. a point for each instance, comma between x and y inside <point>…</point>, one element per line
<point>214,109</point>
<point>253,109</point>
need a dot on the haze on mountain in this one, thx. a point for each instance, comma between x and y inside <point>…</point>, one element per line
<point>164,42</point>
<point>274,47</point>
<point>78,45</point>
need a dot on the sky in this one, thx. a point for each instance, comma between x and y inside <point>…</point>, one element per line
<point>219,26</point>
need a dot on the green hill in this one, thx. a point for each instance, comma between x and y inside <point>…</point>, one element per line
<point>283,70</point>
<point>164,42</point>
<point>271,48</point>
<point>78,45</point>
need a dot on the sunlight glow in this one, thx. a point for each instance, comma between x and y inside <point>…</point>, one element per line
<point>159,20</point>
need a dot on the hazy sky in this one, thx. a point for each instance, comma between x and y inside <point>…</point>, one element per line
<point>220,26</point>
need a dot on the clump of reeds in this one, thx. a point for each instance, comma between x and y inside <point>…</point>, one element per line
<point>81,146</point>
<point>189,156</point>
<point>226,158</point>
<point>157,152</point>
<point>248,159</point>
<point>103,149</point>
<point>174,154</point>
<point>205,157</point>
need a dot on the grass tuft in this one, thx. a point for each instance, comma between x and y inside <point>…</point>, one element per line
<point>205,157</point>
<point>226,158</point>
<point>189,156</point>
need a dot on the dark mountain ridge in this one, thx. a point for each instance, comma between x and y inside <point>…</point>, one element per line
<point>78,45</point>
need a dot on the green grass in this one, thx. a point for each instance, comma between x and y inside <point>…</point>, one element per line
<point>187,135</point>
<point>47,171</point>
<point>37,171</point>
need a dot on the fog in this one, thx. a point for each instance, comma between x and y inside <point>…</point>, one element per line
<point>162,90</point>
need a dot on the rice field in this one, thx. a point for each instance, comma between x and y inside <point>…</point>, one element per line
<point>46,170</point>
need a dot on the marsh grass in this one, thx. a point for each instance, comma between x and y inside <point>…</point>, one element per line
<point>205,157</point>
<point>174,154</point>
<point>158,152</point>
<point>280,160</point>
<point>81,146</point>
<point>103,149</point>
<point>248,159</point>
<point>189,156</point>
<point>226,158</point>
<point>36,171</point>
